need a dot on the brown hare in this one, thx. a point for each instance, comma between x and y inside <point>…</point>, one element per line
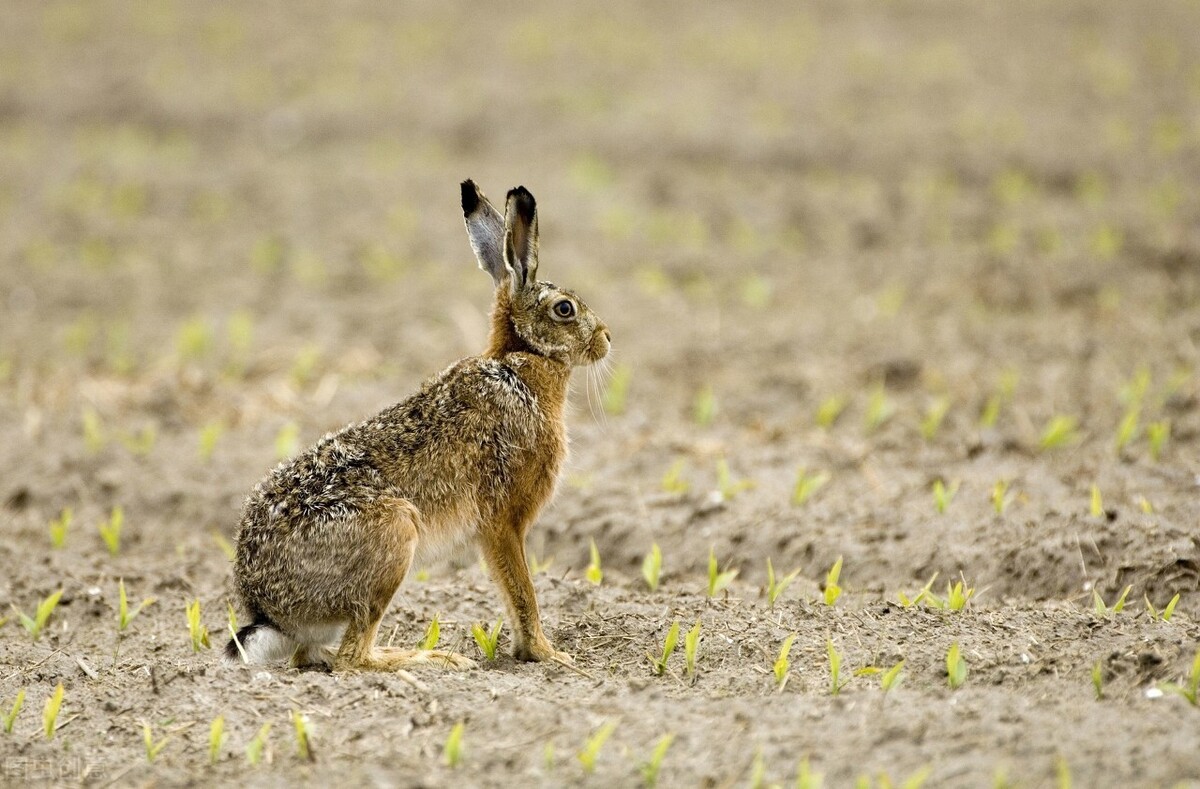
<point>471,458</point>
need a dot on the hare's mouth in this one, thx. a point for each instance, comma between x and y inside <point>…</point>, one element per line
<point>599,346</point>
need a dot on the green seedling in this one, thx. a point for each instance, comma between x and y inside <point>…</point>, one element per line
<point>832,590</point>
<point>536,565</point>
<point>652,567</point>
<point>50,712</point>
<point>452,750</point>
<point>258,746</point>
<point>93,431</point>
<point>956,667</point>
<point>140,443</point>
<point>669,643</point>
<point>153,748</point>
<point>193,340</point>
<point>934,416</point>
<point>835,668</point>
<point>691,642</point>
<point>1145,506</point>
<point>924,593</point>
<point>59,527</point>
<point>717,580</point>
<point>1133,392</point>
<point>35,624</point>
<point>10,717</point>
<point>758,771</point>
<point>1096,507</point>
<point>999,493</point>
<point>942,496</point>
<point>673,481</point>
<point>433,634</point>
<point>727,485</point>
<point>650,768</point>
<point>891,678</point>
<point>110,530</point>
<point>1126,430</point>
<point>591,749</point>
<point>998,399</point>
<point>124,615</point>
<point>1157,434</point>
<point>225,545</point>
<point>756,291</point>
<point>1165,614</point>
<point>617,391</point>
<point>594,574</point>
<point>783,663</point>
<point>548,756</point>
<point>1098,680</point>
<point>303,744</point>
<point>805,777</point>
<point>216,738</point>
<point>704,406</point>
<point>207,440</point>
<point>776,587</point>
<point>487,639</point>
<point>879,409</point>
<point>829,411</point>
<point>197,632</point>
<point>958,596</point>
<point>233,628</point>
<point>807,484</point>
<point>1101,609</point>
<point>1059,432</point>
<point>287,440</point>
<point>1190,691</point>
<point>304,366</point>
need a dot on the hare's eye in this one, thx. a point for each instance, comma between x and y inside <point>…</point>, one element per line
<point>564,309</point>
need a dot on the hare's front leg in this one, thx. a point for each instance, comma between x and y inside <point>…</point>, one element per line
<point>503,547</point>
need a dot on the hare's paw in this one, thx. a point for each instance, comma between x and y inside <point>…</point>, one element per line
<point>541,651</point>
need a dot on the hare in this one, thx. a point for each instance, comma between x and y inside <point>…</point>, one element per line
<point>328,536</point>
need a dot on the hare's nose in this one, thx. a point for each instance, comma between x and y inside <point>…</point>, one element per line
<point>607,337</point>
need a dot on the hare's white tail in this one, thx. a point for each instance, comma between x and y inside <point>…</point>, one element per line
<point>258,643</point>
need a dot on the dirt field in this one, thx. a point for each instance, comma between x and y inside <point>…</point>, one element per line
<point>228,229</point>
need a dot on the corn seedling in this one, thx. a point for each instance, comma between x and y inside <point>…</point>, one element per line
<point>673,481</point>
<point>776,586</point>
<point>1190,691</point>
<point>717,580</point>
<point>652,566</point>
<point>1062,772</point>
<point>124,615</point>
<point>832,590</point>
<point>783,663</point>
<point>691,642</point>
<point>1098,680</point>
<point>233,628</point>
<point>153,748</point>
<point>548,756</point>
<point>997,400</point>
<point>617,392</point>
<point>193,340</point>
<point>807,484</point>
<point>958,596</point>
<point>1145,506</point>
<point>487,639</point>
<point>1059,432</point>
<point>197,632</point>
<point>257,747</point>
<point>829,411</point>
<point>1126,430</point>
<point>1101,609</point>
<point>452,750</point>
<point>835,668</point>
<point>651,767</point>
<point>999,493</point>
<point>1096,506</point>
<point>879,409</point>
<point>207,440</point>
<point>1157,434</point>
<point>934,416</point>
<point>704,406</point>
<point>727,485</point>
<point>216,738</point>
<point>225,545</point>
<point>758,771</point>
<point>140,443</point>
<point>110,530</point>
<point>50,712</point>
<point>35,624</point>
<point>10,717</point>
<point>303,744</point>
<point>535,565</point>
<point>891,678</point>
<point>916,599</point>
<point>942,496</point>
<point>1165,614</point>
<point>805,777</point>
<point>287,440</point>
<point>93,431</point>
<point>956,667</point>
<point>433,634</point>
<point>591,749</point>
<point>669,644</point>
<point>594,574</point>
<point>59,526</point>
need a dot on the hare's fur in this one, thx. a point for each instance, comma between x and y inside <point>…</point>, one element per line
<point>471,458</point>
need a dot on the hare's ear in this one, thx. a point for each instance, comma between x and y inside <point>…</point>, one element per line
<point>485,229</point>
<point>521,238</point>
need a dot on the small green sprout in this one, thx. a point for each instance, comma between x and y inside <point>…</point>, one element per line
<point>956,667</point>
<point>1101,609</point>
<point>807,484</point>
<point>452,750</point>
<point>210,433</point>
<point>303,743</point>
<point>673,481</point>
<point>650,768</point>
<point>691,642</point>
<point>287,440</point>
<point>999,492</point>
<point>1145,506</point>
<point>487,640</point>
<point>990,413</point>
<point>1157,434</point>
<point>548,756</point>
<point>594,574</point>
<point>193,340</point>
<point>829,411</point>
<point>942,496</point>
<point>93,431</point>
<point>805,777</point>
<point>50,712</point>
<point>197,632</point>
<point>782,663</point>
<point>59,527</point>
<point>758,771</point>
<point>652,566</point>
<point>726,485</point>
<point>536,565</point>
<point>1098,680</point>
<point>1096,507</point>
<point>140,443</point>
<point>225,545</point>
<point>891,678</point>
<point>704,406</point>
<point>923,594</point>
<point>110,530</point>
<point>835,668</point>
<point>258,746</point>
<point>35,624</point>
<point>1059,432</point>
<point>233,628</point>
<point>669,644</point>
<point>304,366</point>
<point>591,749</point>
<point>1126,430</point>
<point>1063,773</point>
<point>958,596</point>
<point>216,738</point>
<point>10,717</point>
<point>776,587</point>
<point>1164,615</point>
<point>879,409</point>
<point>1190,691</point>
<point>934,416</point>
<point>617,392</point>
<point>717,580</point>
<point>433,634</point>
<point>124,615</point>
<point>153,749</point>
<point>832,590</point>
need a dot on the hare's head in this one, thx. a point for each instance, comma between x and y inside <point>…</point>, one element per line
<point>529,314</point>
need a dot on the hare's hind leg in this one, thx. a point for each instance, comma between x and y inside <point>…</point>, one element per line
<point>398,526</point>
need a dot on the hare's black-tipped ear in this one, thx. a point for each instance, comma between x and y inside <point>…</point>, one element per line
<point>485,229</point>
<point>521,237</point>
